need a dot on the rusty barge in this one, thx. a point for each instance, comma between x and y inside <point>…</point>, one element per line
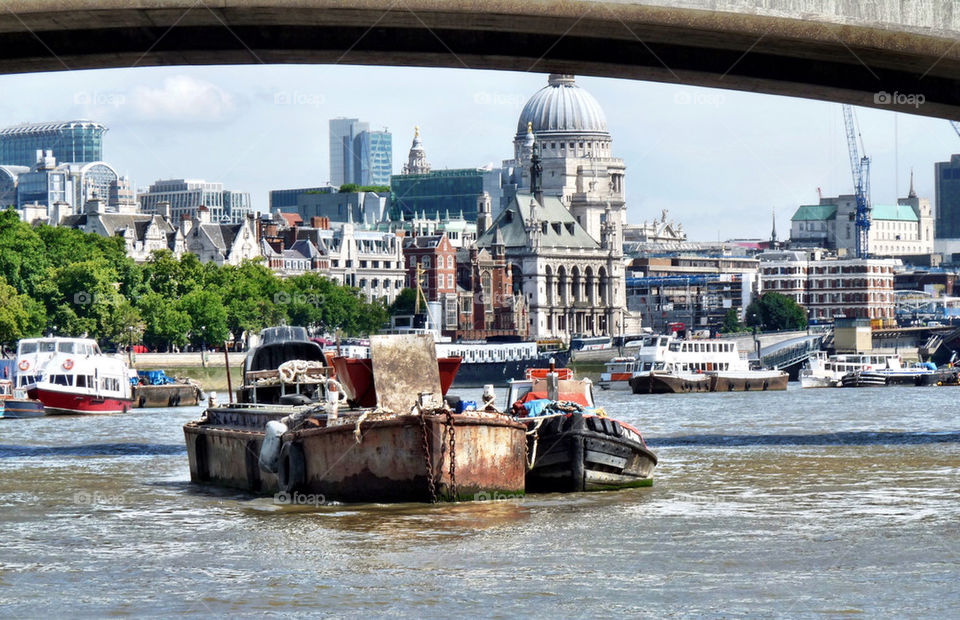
<point>294,431</point>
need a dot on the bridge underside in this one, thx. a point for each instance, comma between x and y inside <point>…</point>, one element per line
<point>813,59</point>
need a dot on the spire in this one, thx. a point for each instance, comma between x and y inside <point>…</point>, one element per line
<point>913,193</point>
<point>536,172</point>
<point>417,158</point>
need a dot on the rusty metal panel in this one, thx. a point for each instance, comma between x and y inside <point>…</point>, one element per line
<point>404,367</point>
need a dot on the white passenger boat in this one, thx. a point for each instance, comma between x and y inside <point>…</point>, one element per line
<point>668,364</point>
<point>71,375</point>
<point>827,371</point>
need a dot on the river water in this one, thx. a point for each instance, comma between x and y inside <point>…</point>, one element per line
<point>804,503</point>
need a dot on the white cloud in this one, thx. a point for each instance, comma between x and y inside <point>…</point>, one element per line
<point>183,99</point>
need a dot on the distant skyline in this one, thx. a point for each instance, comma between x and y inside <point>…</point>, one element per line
<point>718,161</point>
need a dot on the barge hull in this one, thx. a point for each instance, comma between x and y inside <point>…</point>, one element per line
<point>387,465</point>
<point>170,395</point>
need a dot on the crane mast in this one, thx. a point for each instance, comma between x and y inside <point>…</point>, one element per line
<point>860,167</point>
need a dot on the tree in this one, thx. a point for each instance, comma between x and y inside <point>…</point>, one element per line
<point>773,312</point>
<point>165,325</point>
<point>731,322</point>
<point>15,319</point>
<point>405,303</point>
<point>208,316</point>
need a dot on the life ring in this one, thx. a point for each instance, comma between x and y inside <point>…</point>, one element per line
<point>23,365</point>
<point>67,364</point>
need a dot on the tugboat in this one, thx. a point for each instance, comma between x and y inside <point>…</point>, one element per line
<point>572,445</point>
<point>71,375</point>
<point>294,434</point>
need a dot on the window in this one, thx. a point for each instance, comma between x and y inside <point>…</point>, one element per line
<point>426,261</point>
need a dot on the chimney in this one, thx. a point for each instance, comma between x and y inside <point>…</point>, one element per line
<point>316,222</point>
<point>163,209</point>
<point>203,215</point>
<point>186,223</point>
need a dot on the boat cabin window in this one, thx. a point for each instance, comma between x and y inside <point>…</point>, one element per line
<point>61,379</point>
<point>109,384</point>
<point>24,380</point>
<point>86,381</point>
<point>28,347</point>
<point>65,347</point>
<point>48,346</point>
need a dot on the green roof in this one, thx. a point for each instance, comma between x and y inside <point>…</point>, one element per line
<point>806,213</point>
<point>901,213</point>
<point>559,228</point>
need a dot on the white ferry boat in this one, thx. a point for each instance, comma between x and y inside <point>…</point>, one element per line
<point>669,364</point>
<point>71,375</point>
<point>827,371</point>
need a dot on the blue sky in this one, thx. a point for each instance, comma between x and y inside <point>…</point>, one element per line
<point>718,161</point>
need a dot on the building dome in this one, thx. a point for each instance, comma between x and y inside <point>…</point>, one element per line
<point>562,107</point>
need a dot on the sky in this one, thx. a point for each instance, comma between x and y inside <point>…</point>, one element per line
<point>720,162</point>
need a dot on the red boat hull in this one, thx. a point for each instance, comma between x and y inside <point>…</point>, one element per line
<point>56,402</point>
<point>356,376</point>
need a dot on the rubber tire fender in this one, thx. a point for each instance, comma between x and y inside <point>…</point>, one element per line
<point>292,472</point>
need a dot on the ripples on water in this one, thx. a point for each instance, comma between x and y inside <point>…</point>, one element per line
<point>798,503</point>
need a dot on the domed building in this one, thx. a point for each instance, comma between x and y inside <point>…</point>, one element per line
<point>575,148</point>
<point>561,221</point>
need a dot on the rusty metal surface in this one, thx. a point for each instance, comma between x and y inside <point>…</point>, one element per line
<point>404,367</point>
<point>388,465</point>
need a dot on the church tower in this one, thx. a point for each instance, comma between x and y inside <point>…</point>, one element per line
<point>417,159</point>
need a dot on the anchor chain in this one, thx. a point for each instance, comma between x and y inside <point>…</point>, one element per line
<point>453,456</point>
<point>431,483</point>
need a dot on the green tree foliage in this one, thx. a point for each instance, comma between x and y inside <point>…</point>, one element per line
<point>208,316</point>
<point>16,319</point>
<point>165,324</point>
<point>405,302</point>
<point>731,322</point>
<point>349,188</point>
<point>64,281</point>
<point>774,311</point>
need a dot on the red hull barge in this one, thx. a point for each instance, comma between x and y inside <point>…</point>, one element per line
<point>56,402</point>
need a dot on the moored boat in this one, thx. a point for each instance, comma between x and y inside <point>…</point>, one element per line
<point>672,365</point>
<point>821,370</point>
<point>412,447</point>
<point>618,372</point>
<point>71,376</point>
<point>572,445</point>
<point>15,404</point>
<point>153,388</point>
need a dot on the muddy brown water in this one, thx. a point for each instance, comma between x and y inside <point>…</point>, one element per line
<point>804,503</point>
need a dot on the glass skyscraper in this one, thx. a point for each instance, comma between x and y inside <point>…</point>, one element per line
<point>71,142</point>
<point>358,155</point>
<point>947,180</point>
<point>373,163</point>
